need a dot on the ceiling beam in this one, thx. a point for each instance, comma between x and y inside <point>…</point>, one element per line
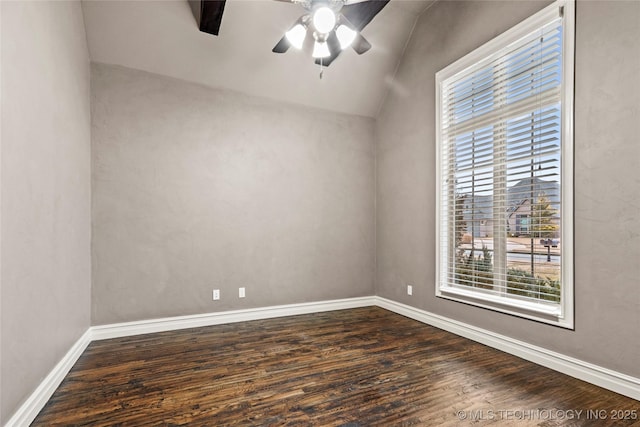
<point>209,15</point>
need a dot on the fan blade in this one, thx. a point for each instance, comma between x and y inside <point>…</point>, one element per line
<point>360,14</point>
<point>211,16</point>
<point>282,46</point>
<point>347,2</point>
<point>360,44</point>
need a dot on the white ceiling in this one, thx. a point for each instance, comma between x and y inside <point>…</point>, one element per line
<point>163,37</point>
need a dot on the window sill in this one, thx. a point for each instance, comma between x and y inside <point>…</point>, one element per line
<point>546,313</point>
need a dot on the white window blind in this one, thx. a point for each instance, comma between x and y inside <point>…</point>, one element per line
<point>503,115</point>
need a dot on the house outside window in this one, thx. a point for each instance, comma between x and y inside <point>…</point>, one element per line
<point>505,174</point>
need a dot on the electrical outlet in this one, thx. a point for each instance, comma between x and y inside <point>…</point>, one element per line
<point>240,292</point>
<point>216,294</point>
<point>409,290</point>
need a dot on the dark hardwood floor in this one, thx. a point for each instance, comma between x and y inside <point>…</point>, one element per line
<point>360,367</point>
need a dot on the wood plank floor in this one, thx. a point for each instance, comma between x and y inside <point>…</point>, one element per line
<point>360,367</point>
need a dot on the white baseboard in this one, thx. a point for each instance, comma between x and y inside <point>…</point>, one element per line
<point>606,378</point>
<point>603,377</point>
<point>36,401</point>
<point>208,319</point>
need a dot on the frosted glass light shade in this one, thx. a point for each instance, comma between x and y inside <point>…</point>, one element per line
<point>296,36</point>
<point>345,35</point>
<point>320,50</point>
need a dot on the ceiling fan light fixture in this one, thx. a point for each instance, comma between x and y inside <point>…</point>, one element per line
<point>296,36</point>
<point>320,50</point>
<point>345,35</point>
<point>324,19</point>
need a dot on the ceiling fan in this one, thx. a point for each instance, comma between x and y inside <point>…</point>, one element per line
<point>332,26</point>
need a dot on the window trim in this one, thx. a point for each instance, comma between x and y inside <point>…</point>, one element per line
<point>564,316</point>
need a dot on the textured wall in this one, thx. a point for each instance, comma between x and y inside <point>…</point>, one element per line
<point>607,187</point>
<point>45,185</point>
<point>196,189</point>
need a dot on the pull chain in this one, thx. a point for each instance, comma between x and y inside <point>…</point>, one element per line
<point>321,69</point>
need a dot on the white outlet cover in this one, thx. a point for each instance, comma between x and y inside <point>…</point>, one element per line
<point>409,290</point>
<point>240,292</point>
<point>216,294</point>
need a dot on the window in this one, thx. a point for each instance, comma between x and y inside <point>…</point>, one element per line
<point>505,171</point>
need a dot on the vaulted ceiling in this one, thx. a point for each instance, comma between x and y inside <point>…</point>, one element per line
<point>163,37</point>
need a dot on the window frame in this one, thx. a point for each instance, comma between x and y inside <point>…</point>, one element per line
<point>563,315</point>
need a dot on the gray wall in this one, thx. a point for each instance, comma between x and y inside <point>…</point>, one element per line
<point>607,187</point>
<point>45,185</point>
<point>196,189</point>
